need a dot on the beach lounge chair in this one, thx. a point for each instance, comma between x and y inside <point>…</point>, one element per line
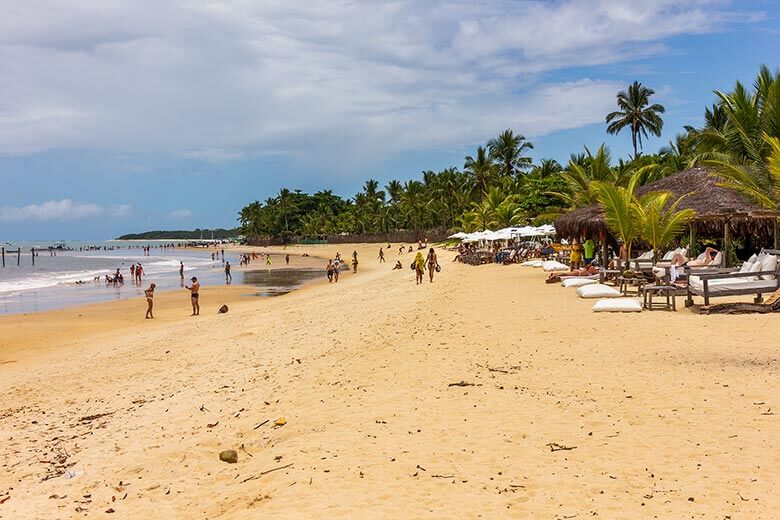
<point>759,277</point>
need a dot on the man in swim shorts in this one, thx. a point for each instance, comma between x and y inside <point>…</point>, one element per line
<point>194,295</point>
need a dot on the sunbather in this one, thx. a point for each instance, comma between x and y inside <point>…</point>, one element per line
<point>680,259</point>
<point>589,270</point>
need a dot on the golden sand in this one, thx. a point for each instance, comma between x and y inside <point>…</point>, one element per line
<point>664,415</point>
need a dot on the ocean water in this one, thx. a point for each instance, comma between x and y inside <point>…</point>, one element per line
<point>67,279</point>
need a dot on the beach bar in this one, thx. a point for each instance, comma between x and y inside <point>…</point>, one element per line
<point>720,212</point>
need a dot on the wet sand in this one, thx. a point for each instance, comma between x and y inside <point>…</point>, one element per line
<point>488,394</point>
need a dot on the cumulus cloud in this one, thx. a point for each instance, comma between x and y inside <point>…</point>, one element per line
<point>222,80</point>
<point>180,214</point>
<point>61,210</point>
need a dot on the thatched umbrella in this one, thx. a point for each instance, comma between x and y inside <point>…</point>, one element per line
<point>719,211</point>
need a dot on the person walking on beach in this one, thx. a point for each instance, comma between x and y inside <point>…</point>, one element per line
<point>433,263</point>
<point>287,259</point>
<point>419,267</point>
<point>228,276</point>
<point>336,270</point>
<point>139,271</point>
<point>194,295</point>
<point>354,262</point>
<point>181,270</point>
<point>132,271</point>
<point>149,301</point>
<point>330,269</point>
<point>381,256</point>
<point>268,259</point>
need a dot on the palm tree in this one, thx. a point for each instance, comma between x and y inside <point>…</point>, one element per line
<point>659,224</point>
<point>620,211</point>
<point>284,202</point>
<point>637,114</point>
<point>760,181</point>
<point>580,176</point>
<point>481,169</point>
<point>508,149</point>
<point>507,214</point>
<point>394,190</point>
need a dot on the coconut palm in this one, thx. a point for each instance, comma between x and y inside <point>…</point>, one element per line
<point>659,221</point>
<point>620,211</point>
<point>637,114</point>
<point>481,169</point>
<point>507,214</point>
<point>760,181</point>
<point>508,150</point>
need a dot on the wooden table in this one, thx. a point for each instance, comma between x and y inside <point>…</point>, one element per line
<point>624,283</point>
<point>668,291</point>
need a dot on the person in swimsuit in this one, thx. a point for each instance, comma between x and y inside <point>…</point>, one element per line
<point>228,276</point>
<point>381,256</point>
<point>432,264</point>
<point>397,265</point>
<point>149,301</point>
<point>194,295</point>
<point>336,270</point>
<point>588,270</point>
<point>354,262</point>
<point>287,259</point>
<point>419,267</point>
<point>181,270</point>
<point>330,269</point>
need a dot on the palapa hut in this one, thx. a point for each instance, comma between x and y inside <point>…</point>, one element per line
<point>720,212</point>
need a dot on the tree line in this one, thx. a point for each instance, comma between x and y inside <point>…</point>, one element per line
<point>500,186</point>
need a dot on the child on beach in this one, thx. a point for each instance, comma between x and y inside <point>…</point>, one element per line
<point>149,301</point>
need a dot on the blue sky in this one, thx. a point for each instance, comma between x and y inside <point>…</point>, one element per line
<point>140,115</point>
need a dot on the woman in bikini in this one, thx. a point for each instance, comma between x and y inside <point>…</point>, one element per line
<point>149,301</point>
<point>432,263</point>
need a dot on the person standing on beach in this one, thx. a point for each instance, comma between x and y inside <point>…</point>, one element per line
<point>433,263</point>
<point>139,271</point>
<point>354,262</point>
<point>181,270</point>
<point>419,267</point>
<point>149,301</point>
<point>590,251</point>
<point>381,256</point>
<point>575,258</point>
<point>287,259</point>
<point>268,259</point>
<point>194,295</point>
<point>132,271</point>
<point>330,269</point>
<point>336,270</point>
<point>228,276</point>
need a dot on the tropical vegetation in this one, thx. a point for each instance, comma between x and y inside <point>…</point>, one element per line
<point>499,185</point>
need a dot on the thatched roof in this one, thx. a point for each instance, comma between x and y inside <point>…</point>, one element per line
<point>714,206</point>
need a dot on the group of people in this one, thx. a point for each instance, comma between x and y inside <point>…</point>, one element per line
<point>194,290</point>
<point>419,265</point>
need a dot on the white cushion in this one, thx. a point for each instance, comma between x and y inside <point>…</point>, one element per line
<point>769,263</point>
<point>746,265</point>
<point>755,267</point>
<point>701,256</point>
<point>533,263</point>
<point>577,281</point>
<point>646,256</point>
<point>618,305</point>
<point>752,258</point>
<point>552,265</point>
<point>597,290</point>
<point>718,260</point>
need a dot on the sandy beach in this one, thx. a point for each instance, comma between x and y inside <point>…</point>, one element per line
<point>487,394</point>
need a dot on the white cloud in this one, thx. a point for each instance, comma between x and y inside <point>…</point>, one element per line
<point>61,210</point>
<point>319,80</point>
<point>180,214</point>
